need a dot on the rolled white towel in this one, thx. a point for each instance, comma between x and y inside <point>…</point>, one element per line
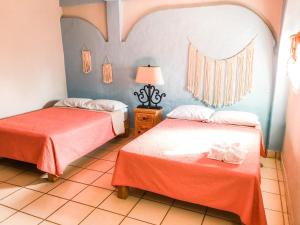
<point>229,153</point>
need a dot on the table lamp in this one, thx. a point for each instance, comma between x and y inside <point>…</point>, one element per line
<point>149,96</point>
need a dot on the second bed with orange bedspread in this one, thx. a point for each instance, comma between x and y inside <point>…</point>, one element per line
<point>171,159</point>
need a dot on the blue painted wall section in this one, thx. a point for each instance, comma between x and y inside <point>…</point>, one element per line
<point>161,39</point>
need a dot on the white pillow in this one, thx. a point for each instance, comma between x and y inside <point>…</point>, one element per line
<point>105,105</point>
<point>236,118</point>
<point>72,102</point>
<point>191,112</point>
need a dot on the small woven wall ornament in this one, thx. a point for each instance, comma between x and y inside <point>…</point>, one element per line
<point>107,71</point>
<point>86,61</point>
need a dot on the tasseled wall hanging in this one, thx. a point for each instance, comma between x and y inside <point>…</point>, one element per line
<point>86,61</point>
<point>107,71</point>
<point>220,82</point>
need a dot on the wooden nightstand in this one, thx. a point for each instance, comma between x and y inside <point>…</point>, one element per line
<point>145,119</point>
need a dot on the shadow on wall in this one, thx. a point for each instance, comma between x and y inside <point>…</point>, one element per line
<point>160,39</point>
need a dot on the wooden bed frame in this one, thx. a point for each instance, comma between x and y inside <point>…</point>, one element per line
<point>53,178</point>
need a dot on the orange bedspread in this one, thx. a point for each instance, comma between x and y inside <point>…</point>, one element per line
<point>170,159</point>
<point>52,138</point>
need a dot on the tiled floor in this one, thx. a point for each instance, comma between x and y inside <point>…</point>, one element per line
<point>84,196</point>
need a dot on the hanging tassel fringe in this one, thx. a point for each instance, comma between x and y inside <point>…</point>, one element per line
<point>107,76</point>
<point>220,82</point>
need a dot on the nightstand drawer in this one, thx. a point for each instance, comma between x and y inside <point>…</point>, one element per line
<point>144,118</point>
<point>142,129</point>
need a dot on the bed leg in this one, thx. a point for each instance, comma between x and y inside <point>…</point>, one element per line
<point>122,192</point>
<point>52,178</point>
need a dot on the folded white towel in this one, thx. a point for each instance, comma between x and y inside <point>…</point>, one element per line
<point>217,152</point>
<point>229,153</point>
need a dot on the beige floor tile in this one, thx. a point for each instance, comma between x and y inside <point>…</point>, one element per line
<point>44,206</point>
<point>271,186</point>
<point>177,216</point>
<point>21,218</point>
<point>7,189</point>
<point>5,212</point>
<point>104,182</point>
<point>268,162</point>
<point>190,206</point>
<point>271,201</point>
<point>283,202</point>
<point>106,218</point>
<point>274,217</point>
<point>47,223</point>
<point>101,165</point>
<point>20,198</point>
<point>282,187</point>
<point>117,205</point>
<point>223,215</point>
<point>209,220</point>
<point>112,156</point>
<point>25,178</point>
<point>86,176</point>
<point>68,189</point>
<point>9,172</point>
<point>83,162</point>
<point>71,213</point>
<point>286,219</point>
<point>70,171</point>
<point>111,171</point>
<point>158,198</point>
<point>129,221</point>
<point>92,196</point>
<point>43,185</point>
<point>280,175</point>
<point>149,211</point>
<point>268,173</point>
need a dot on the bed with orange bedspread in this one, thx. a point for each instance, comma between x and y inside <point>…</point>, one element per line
<point>171,159</point>
<point>54,137</point>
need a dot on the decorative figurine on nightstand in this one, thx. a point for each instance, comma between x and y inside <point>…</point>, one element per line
<point>149,96</point>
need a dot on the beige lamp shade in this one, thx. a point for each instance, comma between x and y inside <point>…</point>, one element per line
<point>149,75</point>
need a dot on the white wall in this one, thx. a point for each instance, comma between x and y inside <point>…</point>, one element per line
<point>32,69</point>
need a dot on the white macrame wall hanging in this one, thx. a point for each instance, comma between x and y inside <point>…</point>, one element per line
<point>86,61</point>
<point>220,82</point>
<point>107,71</point>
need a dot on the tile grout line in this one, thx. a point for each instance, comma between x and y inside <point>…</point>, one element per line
<point>170,206</point>
<point>282,214</point>
<point>206,209</point>
<point>127,215</point>
<point>68,200</point>
<point>95,208</point>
